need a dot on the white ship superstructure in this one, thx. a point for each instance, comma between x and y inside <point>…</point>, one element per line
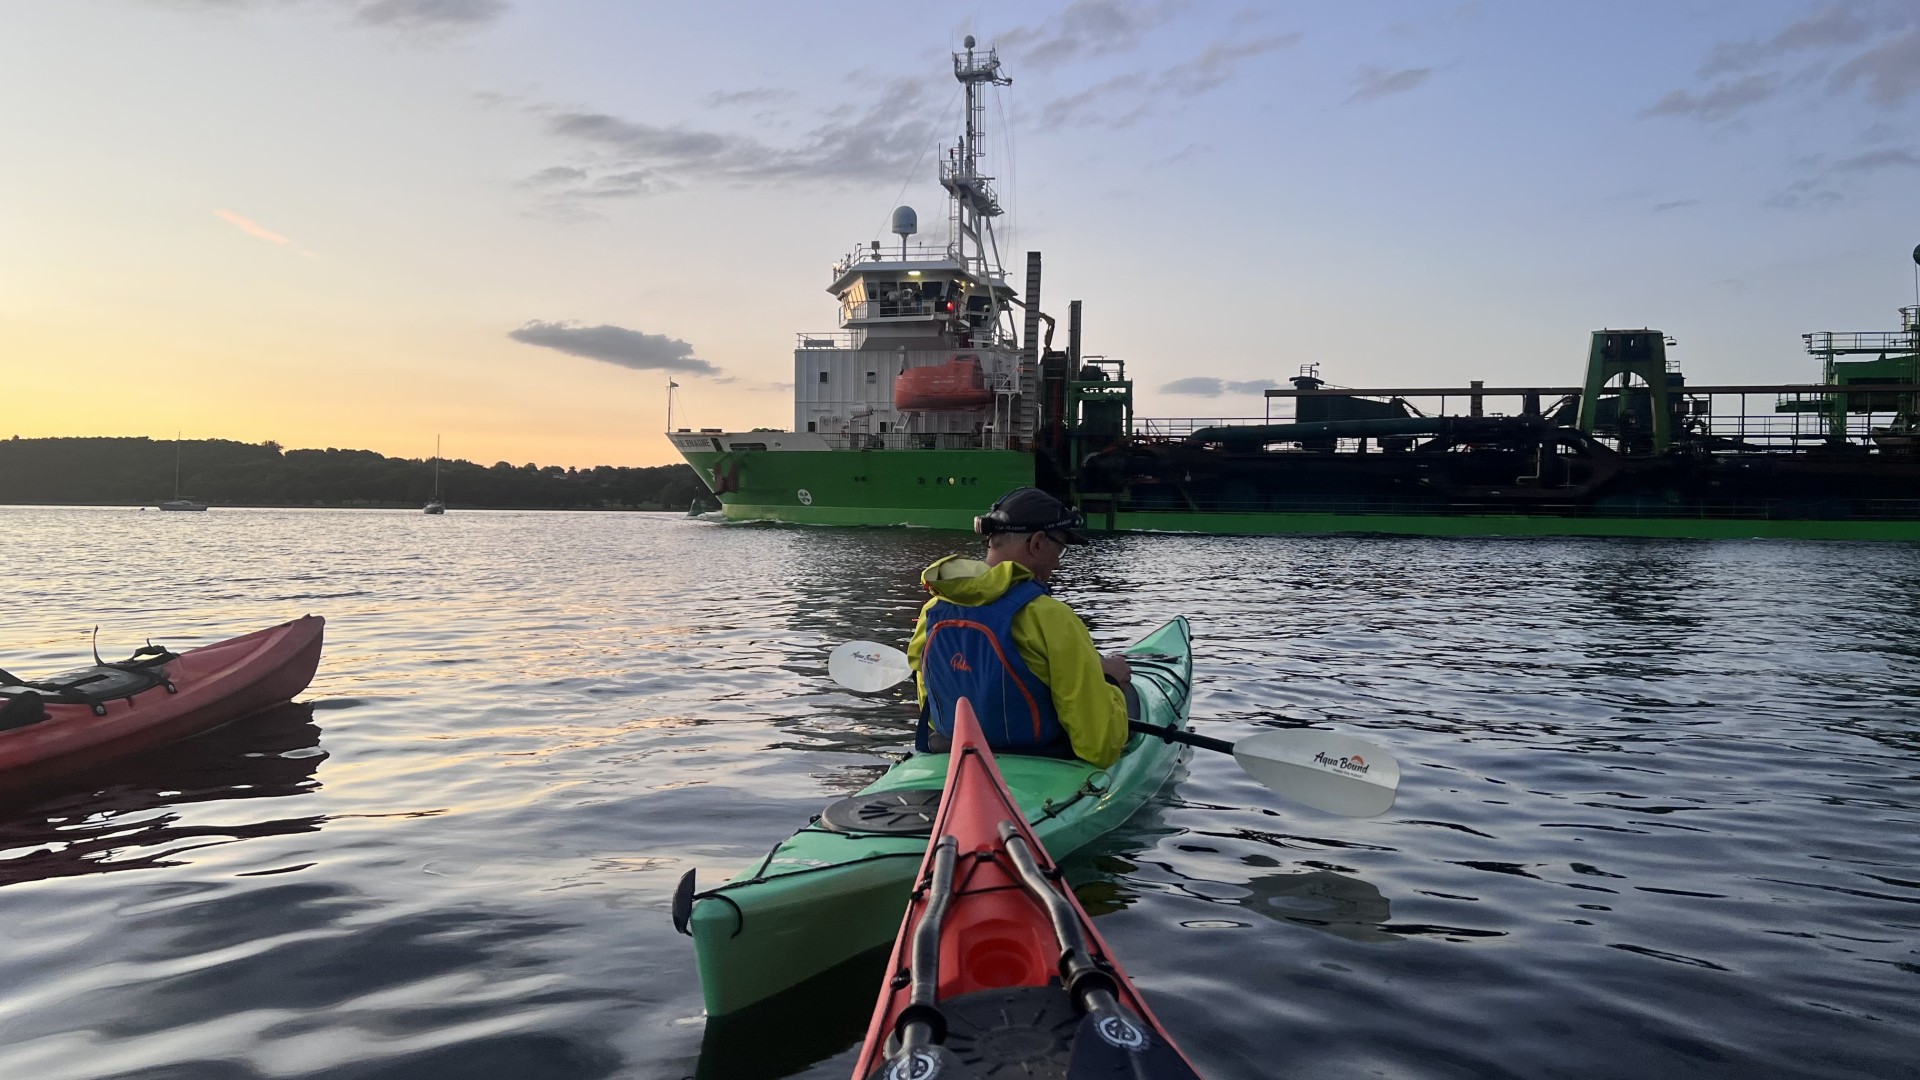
<point>940,312</point>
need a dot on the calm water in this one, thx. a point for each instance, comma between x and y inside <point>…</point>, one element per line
<point>1660,815</point>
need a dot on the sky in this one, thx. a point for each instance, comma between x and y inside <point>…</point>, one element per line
<point>509,223</point>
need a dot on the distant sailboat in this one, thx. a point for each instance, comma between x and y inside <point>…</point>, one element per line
<point>436,505</point>
<point>178,503</point>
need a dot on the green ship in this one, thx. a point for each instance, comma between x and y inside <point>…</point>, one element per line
<point>942,390</point>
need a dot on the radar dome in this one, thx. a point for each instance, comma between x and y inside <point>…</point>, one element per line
<point>969,43</point>
<point>905,222</point>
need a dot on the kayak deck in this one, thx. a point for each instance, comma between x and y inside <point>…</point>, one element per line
<point>997,969</point>
<point>823,896</point>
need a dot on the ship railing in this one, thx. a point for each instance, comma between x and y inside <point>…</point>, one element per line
<point>892,309</point>
<point>875,251</point>
<point>926,440</point>
<point>1783,431</point>
<point>1179,427</point>
<point>1828,341</point>
<point>824,339</point>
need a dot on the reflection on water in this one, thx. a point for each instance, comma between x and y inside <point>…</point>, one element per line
<point>119,816</point>
<point>1659,815</point>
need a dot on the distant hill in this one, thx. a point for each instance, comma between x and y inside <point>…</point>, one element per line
<point>136,472</point>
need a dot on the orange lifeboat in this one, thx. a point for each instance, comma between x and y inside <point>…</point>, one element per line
<point>956,384</point>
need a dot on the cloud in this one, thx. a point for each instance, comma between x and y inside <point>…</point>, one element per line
<point>1374,83</point>
<point>614,345</point>
<point>1124,99</point>
<point>1085,30</point>
<point>1841,47</point>
<point>623,158</point>
<point>419,17</point>
<point>1890,71</point>
<point>1722,101</point>
<point>1832,26</point>
<point>259,232</point>
<point>1207,386</point>
<point>430,14</point>
<point>1878,159</point>
<point>1826,185</point>
<point>1676,204</point>
<point>555,174</point>
<point>758,96</point>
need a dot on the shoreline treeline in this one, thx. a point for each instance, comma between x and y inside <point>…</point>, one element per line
<point>140,471</point>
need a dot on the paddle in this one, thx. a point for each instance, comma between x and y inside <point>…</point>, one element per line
<point>1322,769</point>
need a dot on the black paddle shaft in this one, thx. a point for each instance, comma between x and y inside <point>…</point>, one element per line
<point>1176,735</point>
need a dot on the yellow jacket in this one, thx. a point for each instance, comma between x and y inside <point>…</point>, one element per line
<point>1051,639</point>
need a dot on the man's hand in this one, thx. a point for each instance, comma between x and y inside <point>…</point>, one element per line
<point>1115,667</point>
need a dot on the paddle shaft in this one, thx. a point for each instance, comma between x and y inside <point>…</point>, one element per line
<point>1176,735</point>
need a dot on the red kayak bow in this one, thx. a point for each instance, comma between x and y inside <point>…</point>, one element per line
<point>998,970</point>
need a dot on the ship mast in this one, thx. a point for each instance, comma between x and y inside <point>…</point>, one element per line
<point>974,204</point>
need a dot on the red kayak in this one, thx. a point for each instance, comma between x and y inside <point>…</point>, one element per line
<point>998,970</point>
<point>82,718</point>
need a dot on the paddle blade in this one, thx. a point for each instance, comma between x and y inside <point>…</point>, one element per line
<point>1324,770</point>
<point>867,666</point>
<point>1114,1045</point>
<point>923,1063</point>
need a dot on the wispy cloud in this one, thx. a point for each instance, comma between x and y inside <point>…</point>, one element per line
<point>614,345</point>
<point>1085,30</point>
<point>1208,386</point>
<point>1125,99</point>
<point>1718,102</point>
<point>619,157</point>
<point>1839,49</point>
<point>1890,71</point>
<point>1372,84</point>
<point>1826,184</point>
<point>1675,204</point>
<point>757,96</point>
<point>260,232</point>
<point>430,15</point>
<point>423,18</point>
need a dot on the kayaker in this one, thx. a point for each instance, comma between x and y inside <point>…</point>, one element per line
<point>1021,657</point>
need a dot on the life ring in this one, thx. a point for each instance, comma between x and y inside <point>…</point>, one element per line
<point>728,480</point>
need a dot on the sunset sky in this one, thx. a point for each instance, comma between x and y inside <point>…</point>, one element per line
<point>362,223</point>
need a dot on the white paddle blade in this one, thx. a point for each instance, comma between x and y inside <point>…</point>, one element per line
<point>1324,770</point>
<point>867,666</point>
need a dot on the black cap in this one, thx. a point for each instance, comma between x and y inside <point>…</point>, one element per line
<point>1030,510</point>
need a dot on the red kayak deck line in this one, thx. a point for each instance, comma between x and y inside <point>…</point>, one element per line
<point>217,684</point>
<point>1011,993</point>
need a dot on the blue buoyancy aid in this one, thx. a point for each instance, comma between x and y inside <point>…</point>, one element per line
<point>970,653</point>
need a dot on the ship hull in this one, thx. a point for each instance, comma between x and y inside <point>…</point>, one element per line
<point>938,489</point>
<point>945,489</point>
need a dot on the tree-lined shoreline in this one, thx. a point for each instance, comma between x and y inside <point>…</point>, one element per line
<point>139,471</point>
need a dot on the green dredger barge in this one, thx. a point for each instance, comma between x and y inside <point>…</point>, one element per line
<point>942,390</point>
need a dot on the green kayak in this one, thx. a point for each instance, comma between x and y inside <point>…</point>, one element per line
<point>839,886</point>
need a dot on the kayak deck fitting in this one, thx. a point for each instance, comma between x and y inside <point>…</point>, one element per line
<point>837,889</point>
